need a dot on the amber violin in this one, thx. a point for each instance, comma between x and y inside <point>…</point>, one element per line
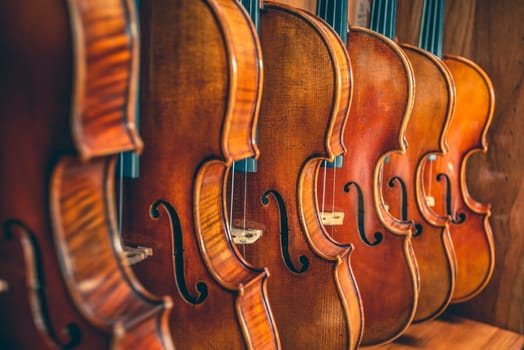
<point>352,205</point>
<point>445,178</point>
<point>197,116</point>
<point>70,91</point>
<point>426,137</point>
<point>307,90</point>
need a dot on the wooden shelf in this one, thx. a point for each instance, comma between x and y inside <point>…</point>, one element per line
<point>457,333</point>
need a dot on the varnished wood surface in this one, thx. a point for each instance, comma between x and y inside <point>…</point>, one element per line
<point>454,332</point>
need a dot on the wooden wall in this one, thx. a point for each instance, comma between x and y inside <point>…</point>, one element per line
<point>491,33</point>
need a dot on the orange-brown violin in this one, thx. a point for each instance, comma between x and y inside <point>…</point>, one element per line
<point>202,80</point>
<point>307,90</point>
<point>352,204</point>
<point>444,179</point>
<point>69,71</point>
<point>426,137</point>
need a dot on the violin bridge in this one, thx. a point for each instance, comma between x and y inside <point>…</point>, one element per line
<point>4,286</point>
<point>245,236</point>
<point>134,255</point>
<point>335,218</point>
<point>430,201</point>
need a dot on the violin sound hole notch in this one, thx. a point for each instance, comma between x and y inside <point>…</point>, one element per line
<point>459,217</point>
<point>178,254</point>
<point>378,236</point>
<point>284,232</point>
<point>418,230</point>
<point>33,254</point>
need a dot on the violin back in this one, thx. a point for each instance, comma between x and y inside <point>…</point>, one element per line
<point>307,90</point>
<point>72,96</point>
<point>199,103</point>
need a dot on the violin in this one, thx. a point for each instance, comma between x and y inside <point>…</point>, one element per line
<point>352,205</point>
<point>200,97</point>
<point>67,105</point>
<point>402,181</point>
<point>445,178</point>
<point>307,91</point>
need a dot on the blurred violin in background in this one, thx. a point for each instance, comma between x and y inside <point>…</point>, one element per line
<point>66,110</point>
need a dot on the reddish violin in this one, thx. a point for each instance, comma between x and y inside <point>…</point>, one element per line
<point>67,107</point>
<point>445,178</point>
<point>426,137</point>
<point>307,89</point>
<point>384,263</point>
<point>200,98</point>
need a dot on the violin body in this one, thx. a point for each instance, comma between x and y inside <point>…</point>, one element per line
<point>67,105</point>
<point>384,263</point>
<point>197,116</point>
<point>402,176</point>
<point>307,89</point>
<point>445,179</point>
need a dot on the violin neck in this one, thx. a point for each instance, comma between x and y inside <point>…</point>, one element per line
<point>432,27</point>
<point>129,162</point>
<point>383,17</point>
<point>335,13</point>
<point>253,7</point>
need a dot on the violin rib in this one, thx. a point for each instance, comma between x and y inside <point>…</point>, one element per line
<point>426,136</point>
<point>307,91</point>
<point>384,262</point>
<point>71,93</point>
<point>200,98</point>
<point>446,178</point>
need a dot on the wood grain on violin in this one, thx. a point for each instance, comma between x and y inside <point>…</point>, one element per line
<point>200,98</point>
<point>425,135</point>
<point>307,89</point>
<point>384,264</point>
<point>66,108</point>
<point>445,178</point>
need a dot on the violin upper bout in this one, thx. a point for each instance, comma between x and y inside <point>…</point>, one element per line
<point>102,125</point>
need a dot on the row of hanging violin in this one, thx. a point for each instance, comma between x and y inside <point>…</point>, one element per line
<point>302,185</point>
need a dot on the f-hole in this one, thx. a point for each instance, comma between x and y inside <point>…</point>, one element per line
<point>404,202</point>
<point>178,254</point>
<point>455,219</point>
<point>34,256</point>
<point>284,233</point>
<point>378,236</point>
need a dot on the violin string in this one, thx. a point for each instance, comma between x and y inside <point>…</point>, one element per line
<point>324,188</point>
<point>121,193</point>
<point>231,198</point>
<point>245,203</point>
<point>333,201</point>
